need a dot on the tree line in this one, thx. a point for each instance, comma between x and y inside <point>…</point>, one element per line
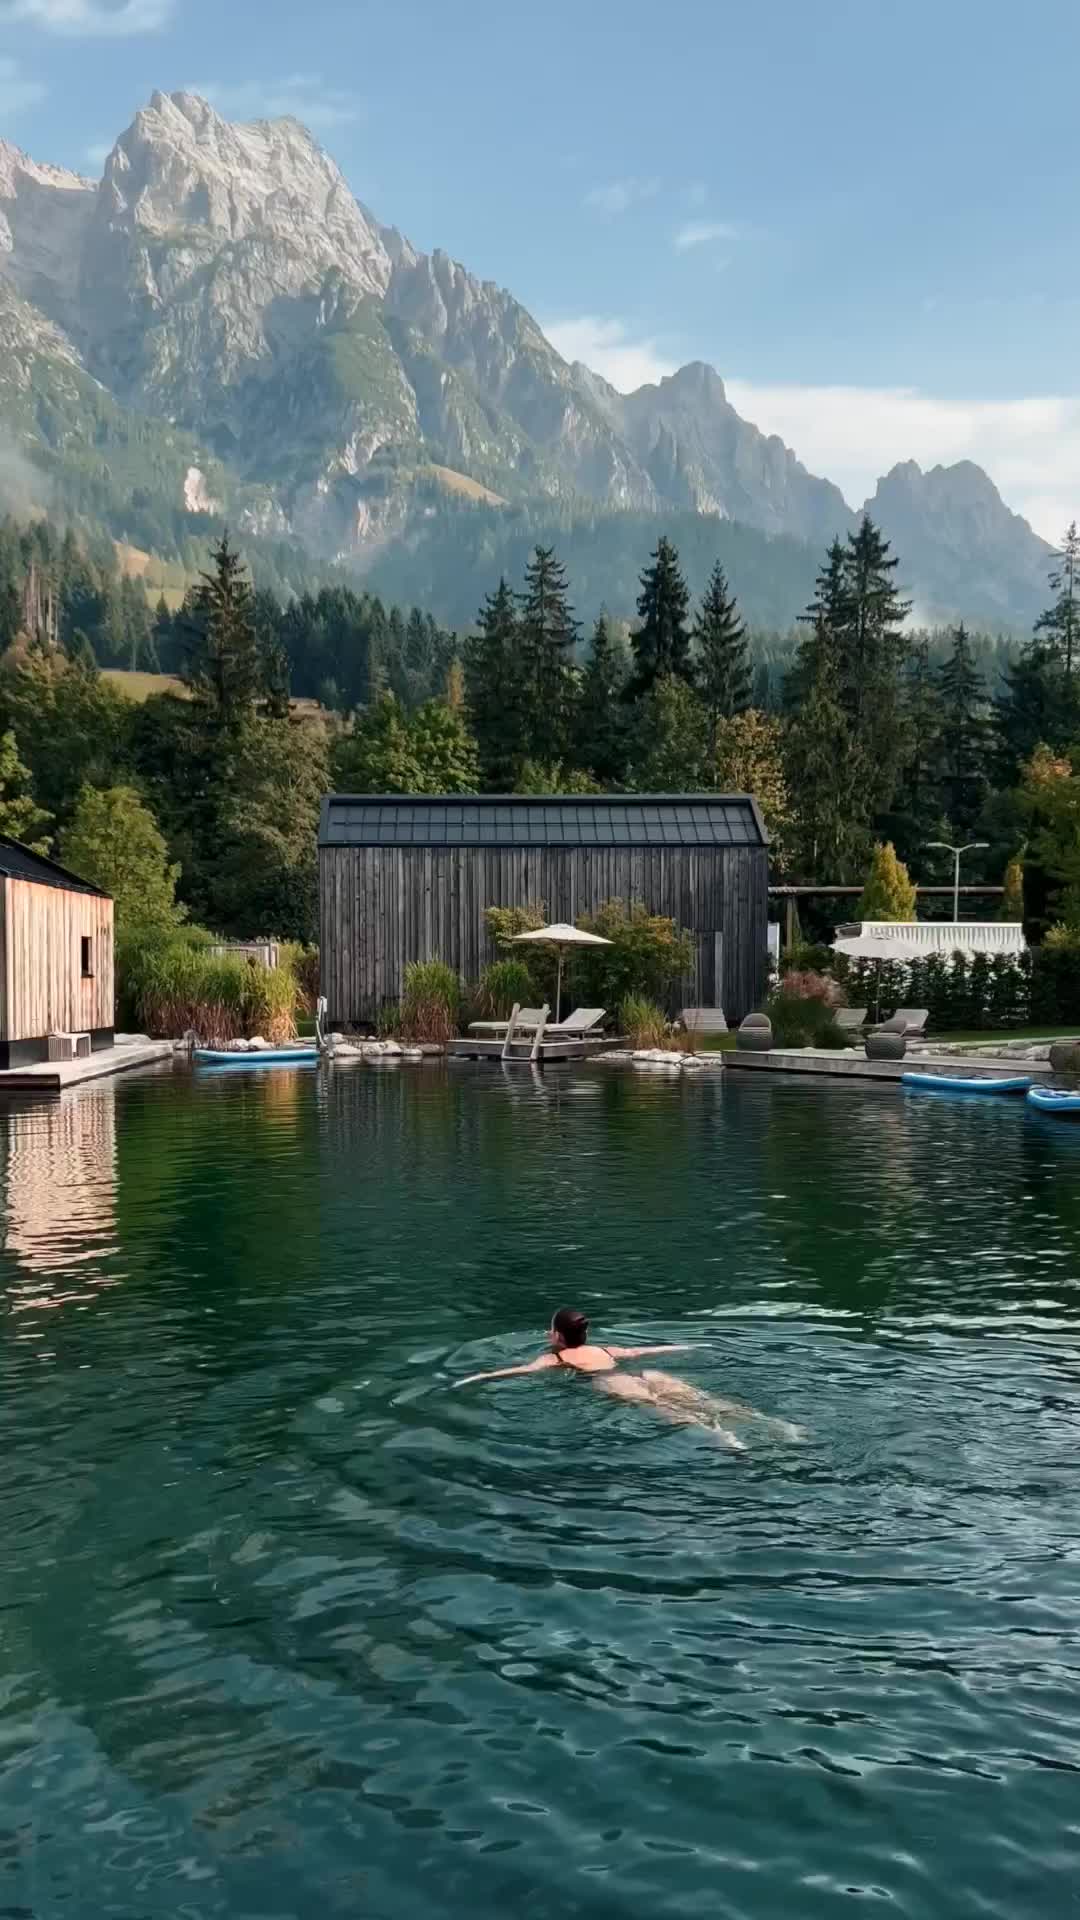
<point>873,731</point>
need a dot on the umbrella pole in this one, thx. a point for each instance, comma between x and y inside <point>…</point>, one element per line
<point>558,988</point>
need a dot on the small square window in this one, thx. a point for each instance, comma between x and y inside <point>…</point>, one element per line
<point>87,954</point>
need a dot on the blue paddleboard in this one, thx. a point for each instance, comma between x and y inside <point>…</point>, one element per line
<point>949,1083</point>
<point>1055,1100</point>
<point>273,1057</point>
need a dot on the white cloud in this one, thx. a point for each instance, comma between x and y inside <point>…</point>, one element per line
<point>97,152</point>
<point>17,90</point>
<point>1030,447</point>
<point>618,196</point>
<point>299,96</point>
<point>605,346</point>
<point>701,233</point>
<point>102,18</point>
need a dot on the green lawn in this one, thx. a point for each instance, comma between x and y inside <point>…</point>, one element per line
<point>985,1039</point>
<point>724,1042</point>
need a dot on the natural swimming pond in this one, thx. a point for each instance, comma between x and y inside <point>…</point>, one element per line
<point>289,1628</point>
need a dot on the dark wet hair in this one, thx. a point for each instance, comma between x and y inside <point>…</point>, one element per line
<point>571,1325</point>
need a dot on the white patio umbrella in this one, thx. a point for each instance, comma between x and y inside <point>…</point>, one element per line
<point>878,942</point>
<point>561,936</point>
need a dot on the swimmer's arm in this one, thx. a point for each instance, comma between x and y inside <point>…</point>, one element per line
<point>538,1365</point>
<point>638,1353</point>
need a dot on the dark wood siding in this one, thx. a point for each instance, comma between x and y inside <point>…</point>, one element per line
<point>381,907</point>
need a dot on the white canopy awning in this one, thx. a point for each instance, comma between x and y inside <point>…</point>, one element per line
<point>919,939</point>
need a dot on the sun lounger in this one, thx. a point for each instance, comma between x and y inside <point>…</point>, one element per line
<point>850,1019</point>
<point>915,1019</point>
<point>577,1025</point>
<point>521,1016</point>
<point>704,1020</point>
<point>530,1035</point>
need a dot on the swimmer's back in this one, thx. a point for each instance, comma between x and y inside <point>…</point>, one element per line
<point>587,1359</point>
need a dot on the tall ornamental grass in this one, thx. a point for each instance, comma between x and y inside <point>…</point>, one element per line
<point>169,986</point>
<point>430,1004</point>
<point>504,985</point>
<point>643,1023</point>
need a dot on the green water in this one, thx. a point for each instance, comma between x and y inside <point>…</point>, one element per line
<point>289,1628</point>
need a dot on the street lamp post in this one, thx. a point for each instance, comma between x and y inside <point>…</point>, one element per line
<point>943,846</point>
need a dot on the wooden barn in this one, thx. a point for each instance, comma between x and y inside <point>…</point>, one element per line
<point>56,957</point>
<point>404,878</point>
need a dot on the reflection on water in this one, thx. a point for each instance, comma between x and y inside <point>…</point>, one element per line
<point>290,1627</point>
<point>59,1194</point>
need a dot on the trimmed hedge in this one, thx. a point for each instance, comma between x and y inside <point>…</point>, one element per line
<point>977,994</point>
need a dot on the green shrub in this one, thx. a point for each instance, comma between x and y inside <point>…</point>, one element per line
<point>431,1002</point>
<point>807,955</point>
<point>648,954</point>
<point>803,1022</point>
<point>540,963</point>
<point>642,1022</point>
<point>504,923</point>
<point>504,985</point>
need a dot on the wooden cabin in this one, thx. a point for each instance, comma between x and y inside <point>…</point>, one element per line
<point>404,878</point>
<point>56,956</point>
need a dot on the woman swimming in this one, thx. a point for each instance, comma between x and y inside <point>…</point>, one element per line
<point>673,1399</point>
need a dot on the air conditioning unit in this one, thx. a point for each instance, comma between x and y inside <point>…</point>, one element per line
<point>69,1046</point>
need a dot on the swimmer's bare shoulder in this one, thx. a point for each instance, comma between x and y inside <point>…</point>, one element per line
<point>582,1359</point>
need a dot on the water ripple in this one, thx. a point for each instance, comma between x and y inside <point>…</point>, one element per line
<point>290,1625</point>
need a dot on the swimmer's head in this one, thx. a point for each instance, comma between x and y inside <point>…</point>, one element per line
<point>569,1328</point>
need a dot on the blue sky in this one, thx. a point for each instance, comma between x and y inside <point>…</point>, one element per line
<point>865,216</point>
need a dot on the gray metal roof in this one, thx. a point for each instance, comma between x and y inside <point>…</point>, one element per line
<point>572,820</point>
<point>19,863</point>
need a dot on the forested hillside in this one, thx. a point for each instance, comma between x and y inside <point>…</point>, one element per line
<point>850,728</point>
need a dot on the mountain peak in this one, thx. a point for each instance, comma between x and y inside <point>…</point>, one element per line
<point>696,381</point>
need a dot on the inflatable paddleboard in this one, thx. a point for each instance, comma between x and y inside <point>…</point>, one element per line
<point>1055,1100</point>
<point>949,1083</point>
<point>273,1057</point>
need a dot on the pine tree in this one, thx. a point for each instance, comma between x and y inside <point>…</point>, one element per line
<point>722,660</point>
<point>662,642</point>
<point>1039,707</point>
<point>547,638</point>
<point>224,666</point>
<point>824,766</point>
<point>1060,624</point>
<point>915,816</point>
<point>963,744</point>
<point>493,690</point>
<point>872,656</point>
<point>825,771</point>
<point>601,730</point>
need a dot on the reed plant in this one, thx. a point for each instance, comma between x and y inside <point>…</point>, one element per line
<point>643,1023</point>
<point>504,985</point>
<point>171,985</point>
<point>431,1003</point>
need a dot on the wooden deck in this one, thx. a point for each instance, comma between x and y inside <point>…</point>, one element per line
<point>473,1048</point>
<point>55,1076</point>
<point>854,1065</point>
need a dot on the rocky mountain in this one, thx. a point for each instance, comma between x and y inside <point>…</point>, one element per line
<point>960,542</point>
<point>223,319</point>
